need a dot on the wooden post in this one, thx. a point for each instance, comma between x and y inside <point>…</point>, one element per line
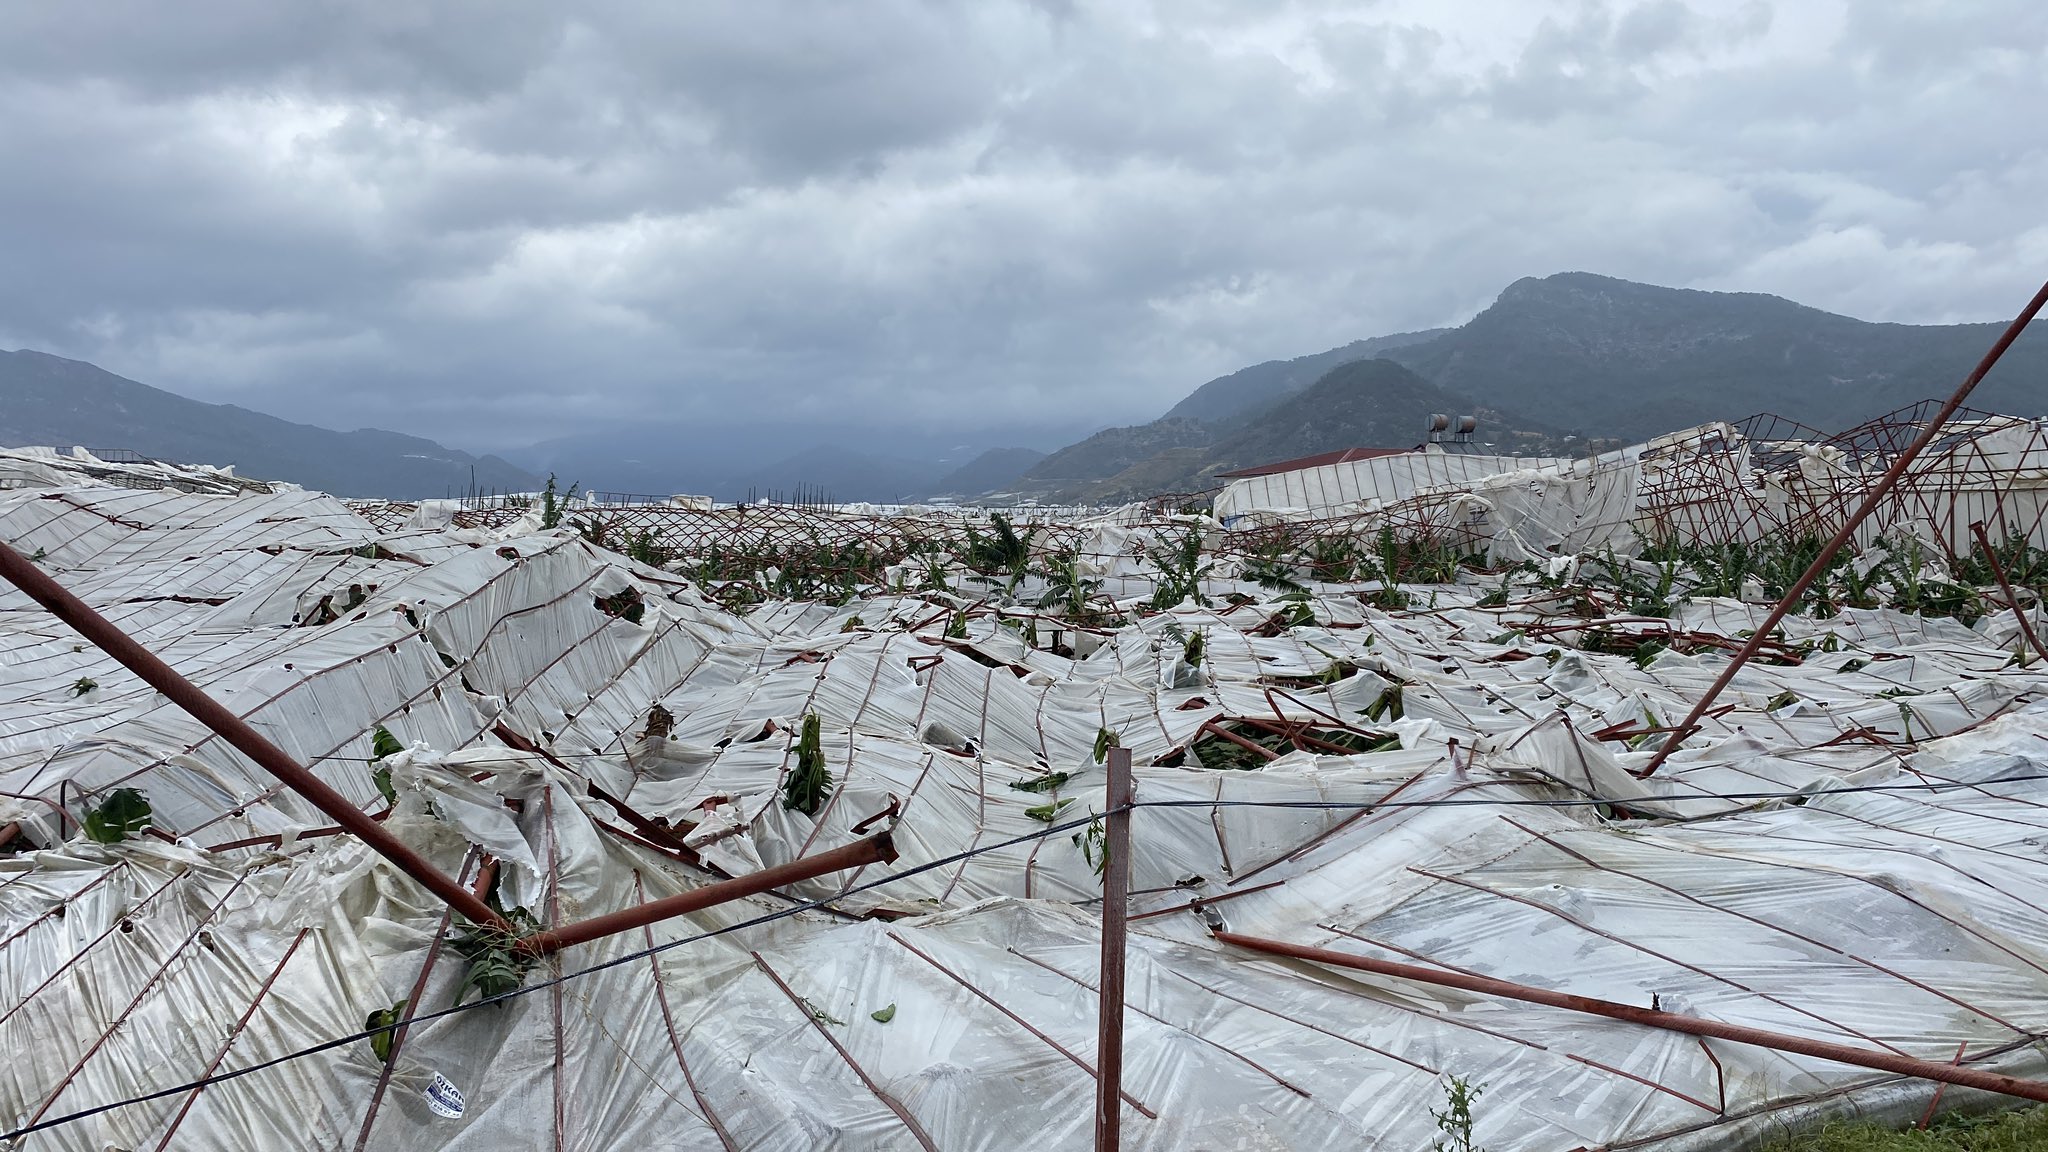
<point>1116,890</point>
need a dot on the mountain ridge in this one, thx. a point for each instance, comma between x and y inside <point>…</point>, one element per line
<point>1599,357</point>
<point>63,403</point>
<point>1245,391</point>
<point>1363,403</point>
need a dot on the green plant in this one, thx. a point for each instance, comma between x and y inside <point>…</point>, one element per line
<point>884,1015</point>
<point>594,531</point>
<point>1104,741</point>
<point>1498,598</point>
<point>810,783</point>
<point>82,685</point>
<point>1422,560</point>
<point>1272,574</point>
<point>1332,559</point>
<point>1455,1120</point>
<point>383,744</point>
<point>1047,813</point>
<point>1068,590</point>
<point>387,1019</point>
<point>553,502</point>
<point>1218,754</point>
<point>123,814</point>
<point>1646,652</point>
<point>1094,844</point>
<point>1644,595</point>
<point>1180,573</point>
<point>2024,1130</point>
<point>496,964</point>
<point>1856,588</point>
<point>1003,551</point>
<point>1723,569</point>
<point>644,547</point>
<point>1046,783</point>
<point>1298,613</point>
<point>1387,705</point>
<point>626,604</point>
<point>1191,652</point>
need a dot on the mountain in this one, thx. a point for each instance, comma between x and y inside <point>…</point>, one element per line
<point>1112,450</point>
<point>1248,390</point>
<point>992,471</point>
<point>1616,358</point>
<point>64,403</point>
<point>1363,404</point>
<point>1577,354</point>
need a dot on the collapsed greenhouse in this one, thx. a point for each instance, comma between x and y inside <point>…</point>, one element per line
<point>1352,731</point>
<point>1759,479</point>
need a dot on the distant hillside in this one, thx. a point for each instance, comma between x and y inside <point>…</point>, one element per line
<point>1247,391</point>
<point>1112,450</point>
<point>992,471</point>
<point>1208,415</point>
<point>1363,404</point>
<point>1372,404</point>
<point>69,403</point>
<point>1615,358</point>
<point>1601,358</point>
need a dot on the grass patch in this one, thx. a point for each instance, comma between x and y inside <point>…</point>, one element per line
<point>2022,1131</point>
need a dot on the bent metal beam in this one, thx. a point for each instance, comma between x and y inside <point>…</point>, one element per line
<point>879,848</point>
<point>44,590</point>
<point>1670,1021</point>
<point>1761,635</point>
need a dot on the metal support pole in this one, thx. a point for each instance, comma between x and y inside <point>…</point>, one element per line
<point>1998,570</point>
<point>24,575</point>
<point>1109,1010</point>
<point>1871,500</point>
<point>879,848</point>
<point>1651,1017</point>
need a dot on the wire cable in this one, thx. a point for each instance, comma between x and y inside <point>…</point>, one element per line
<point>1585,801</point>
<point>7,1138</point>
<point>968,854</point>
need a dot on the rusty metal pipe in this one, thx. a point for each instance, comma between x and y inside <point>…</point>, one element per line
<point>1215,728</point>
<point>24,575</point>
<point>2005,586</point>
<point>1109,1001</point>
<point>1650,1017</point>
<point>486,879</point>
<point>1871,500</point>
<point>877,849</point>
<point>659,834</point>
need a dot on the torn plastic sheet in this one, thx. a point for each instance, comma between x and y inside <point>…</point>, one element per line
<point>1501,830</point>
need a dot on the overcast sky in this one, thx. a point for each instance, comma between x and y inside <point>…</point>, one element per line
<point>490,222</point>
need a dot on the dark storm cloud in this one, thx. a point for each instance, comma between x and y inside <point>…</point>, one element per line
<point>495,223</point>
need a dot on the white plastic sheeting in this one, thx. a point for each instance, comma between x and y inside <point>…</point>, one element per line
<point>75,467</point>
<point>1903,919</point>
<point>1702,485</point>
<point>1356,485</point>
